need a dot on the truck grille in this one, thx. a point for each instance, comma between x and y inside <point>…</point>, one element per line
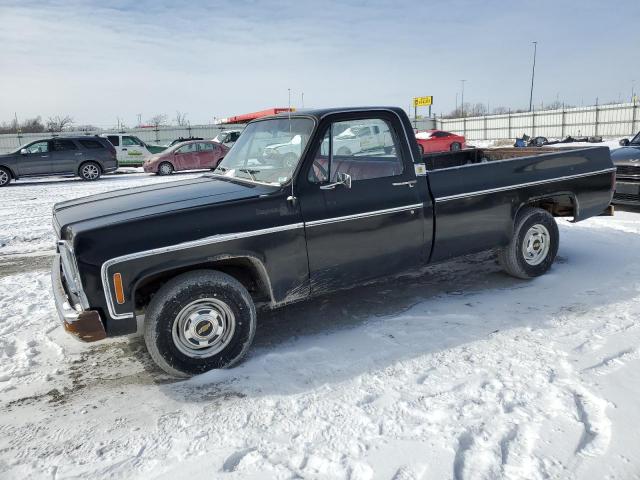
<point>628,170</point>
<point>628,197</point>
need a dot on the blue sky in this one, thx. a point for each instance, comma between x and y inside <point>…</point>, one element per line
<point>97,62</point>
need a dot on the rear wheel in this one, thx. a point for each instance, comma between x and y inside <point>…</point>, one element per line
<point>5,177</point>
<point>533,246</point>
<point>165,168</point>
<point>89,171</point>
<point>199,321</point>
<point>455,146</point>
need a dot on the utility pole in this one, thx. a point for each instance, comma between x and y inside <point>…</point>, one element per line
<point>302,100</point>
<point>633,91</point>
<point>462,99</point>
<point>533,73</point>
<point>139,119</point>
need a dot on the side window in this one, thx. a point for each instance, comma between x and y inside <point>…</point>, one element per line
<point>233,136</point>
<point>39,147</point>
<point>60,145</point>
<point>188,148</point>
<point>130,141</point>
<point>91,144</point>
<point>114,139</point>
<point>205,147</point>
<point>357,151</point>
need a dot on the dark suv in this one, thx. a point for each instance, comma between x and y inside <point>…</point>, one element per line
<point>87,157</point>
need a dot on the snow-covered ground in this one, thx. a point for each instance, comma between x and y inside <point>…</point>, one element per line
<point>455,372</point>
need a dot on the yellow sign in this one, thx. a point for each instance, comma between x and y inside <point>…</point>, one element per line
<point>422,101</point>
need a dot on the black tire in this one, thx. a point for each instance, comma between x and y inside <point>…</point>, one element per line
<point>455,146</point>
<point>89,171</point>
<point>165,168</point>
<point>537,228</point>
<point>194,292</point>
<point>5,177</point>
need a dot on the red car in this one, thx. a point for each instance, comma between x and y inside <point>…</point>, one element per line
<point>191,155</point>
<point>439,141</point>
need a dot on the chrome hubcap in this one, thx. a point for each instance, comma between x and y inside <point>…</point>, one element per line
<point>90,172</point>
<point>4,178</point>
<point>536,244</point>
<point>203,328</point>
<point>166,169</point>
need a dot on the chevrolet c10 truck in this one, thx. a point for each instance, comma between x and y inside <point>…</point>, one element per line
<point>189,262</point>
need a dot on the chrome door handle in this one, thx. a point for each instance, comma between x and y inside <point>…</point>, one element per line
<point>410,183</point>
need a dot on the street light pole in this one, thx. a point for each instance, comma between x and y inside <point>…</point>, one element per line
<point>533,73</point>
<point>462,99</point>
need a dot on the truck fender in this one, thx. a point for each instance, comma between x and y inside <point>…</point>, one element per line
<point>534,201</point>
<point>258,272</point>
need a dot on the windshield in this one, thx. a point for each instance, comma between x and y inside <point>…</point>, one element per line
<point>220,138</point>
<point>636,139</point>
<point>267,151</point>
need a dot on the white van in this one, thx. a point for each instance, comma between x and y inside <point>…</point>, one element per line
<point>130,150</point>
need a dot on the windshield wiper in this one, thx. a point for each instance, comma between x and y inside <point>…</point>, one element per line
<point>250,172</point>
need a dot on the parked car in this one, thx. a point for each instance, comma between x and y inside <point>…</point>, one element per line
<point>86,157</point>
<point>193,155</point>
<point>627,162</point>
<point>131,151</point>
<point>182,139</point>
<point>439,141</point>
<point>193,259</point>
<point>227,137</point>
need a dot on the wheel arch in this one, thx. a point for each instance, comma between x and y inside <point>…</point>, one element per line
<point>249,270</point>
<point>11,171</point>
<point>558,204</point>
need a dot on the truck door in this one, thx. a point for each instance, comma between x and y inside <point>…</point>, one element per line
<point>133,151</point>
<point>65,156</point>
<point>36,160</point>
<point>376,226</point>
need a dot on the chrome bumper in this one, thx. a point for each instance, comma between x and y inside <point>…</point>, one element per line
<point>83,324</point>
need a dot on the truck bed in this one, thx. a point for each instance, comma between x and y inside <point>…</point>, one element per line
<point>477,192</point>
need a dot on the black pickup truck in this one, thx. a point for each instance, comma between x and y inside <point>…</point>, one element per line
<point>193,259</point>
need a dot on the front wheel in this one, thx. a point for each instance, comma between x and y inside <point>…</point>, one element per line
<point>199,321</point>
<point>165,168</point>
<point>5,177</point>
<point>90,171</point>
<point>455,146</point>
<point>533,246</point>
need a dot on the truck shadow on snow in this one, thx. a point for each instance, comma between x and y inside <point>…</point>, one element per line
<point>370,328</point>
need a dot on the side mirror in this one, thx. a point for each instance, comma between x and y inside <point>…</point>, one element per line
<point>23,151</point>
<point>624,142</point>
<point>343,179</point>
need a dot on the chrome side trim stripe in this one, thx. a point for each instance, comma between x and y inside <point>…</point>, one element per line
<point>225,237</point>
<point>356,216</point>
<point>521,185</point>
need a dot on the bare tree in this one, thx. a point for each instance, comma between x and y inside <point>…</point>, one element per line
<point>30,125</point>
<point>59,123</point>
<point>500,110</point>
<point>157,120</point>
<point>181,119</point>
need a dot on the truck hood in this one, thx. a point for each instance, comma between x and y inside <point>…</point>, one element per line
<point>626,156</point>
<point>120,205</point>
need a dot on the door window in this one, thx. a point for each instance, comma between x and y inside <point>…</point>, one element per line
<point>130,142</point>
<point>60,145</point>
<point>38,147</point>
<point>206,147</point>
<point>188,148</point>
<point>114,139</point>
<point>364,149</point>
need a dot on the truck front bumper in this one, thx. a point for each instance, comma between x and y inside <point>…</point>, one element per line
<point>83,324</point>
